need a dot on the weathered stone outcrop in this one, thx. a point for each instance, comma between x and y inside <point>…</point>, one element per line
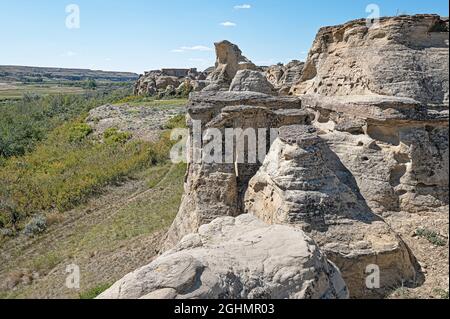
<point>298,186</point>
<point>213,190</point>
<point>283,77</point>
<point>396,149</point>
<point>405,56</point>
<point>158,81</point>
<point>364,135</point>
<point>254,81</point>
<point>381,96</point>
<point>229,61</point>
<point>236,258</point>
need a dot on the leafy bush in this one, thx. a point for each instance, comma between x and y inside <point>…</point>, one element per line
<point>134,98</point>
<point>90,84</point>
<point>113,135</point>
<point>37,225</point>
<point>6,232</point>
<point>178,121</point>
<point>79,132</point>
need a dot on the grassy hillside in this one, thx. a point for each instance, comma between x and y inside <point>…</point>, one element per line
<point>68,195</point>
<point>109,236</point>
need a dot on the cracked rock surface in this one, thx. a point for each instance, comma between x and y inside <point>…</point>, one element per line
<point>236,258</point>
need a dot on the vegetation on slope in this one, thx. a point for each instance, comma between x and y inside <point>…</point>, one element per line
<point>26,122</point>
<point>56,164</point>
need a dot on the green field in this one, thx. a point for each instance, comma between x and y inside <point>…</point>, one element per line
<point>15,91</point>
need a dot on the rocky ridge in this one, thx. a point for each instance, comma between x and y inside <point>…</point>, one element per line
<point>365,135</point>
<point>169,82</point>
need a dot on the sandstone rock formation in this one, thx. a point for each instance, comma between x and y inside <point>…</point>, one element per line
<point>213,190</point>
<point>381,94</point>
<point>154,82</point>
<point>395,148</point>
<point>364,135</point>
<point>405,56</point>
<point>254,81</point>
<point>297,185</point>
<point>229,61</point>
<point>283,77</point>
<point>236,258</point>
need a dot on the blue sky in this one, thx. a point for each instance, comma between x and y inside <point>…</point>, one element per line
<point>139,35</point>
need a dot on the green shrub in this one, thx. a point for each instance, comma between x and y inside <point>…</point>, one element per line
<point>178,121</point>
<point>431,236</point>
<point>90,84</point>
<point>37,225</point>
<point>79,132</point>
<point>94,292</point>
<point>60,175</point>
<point>113,135</point>
<point>6,232</point>
<point>133,99</point>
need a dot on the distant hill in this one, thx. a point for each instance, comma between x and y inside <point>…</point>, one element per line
<point>10,73</point>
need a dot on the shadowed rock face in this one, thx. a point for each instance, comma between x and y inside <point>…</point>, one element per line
<point>297,186</point>
<point>236,258</point>
<point>214,190</point>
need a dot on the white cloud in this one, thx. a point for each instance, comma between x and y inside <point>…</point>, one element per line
<point>242,6</point>
<point>228,24</point>
<point>69,54</point>
<point>197,48</point>
<point>200,48</point>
